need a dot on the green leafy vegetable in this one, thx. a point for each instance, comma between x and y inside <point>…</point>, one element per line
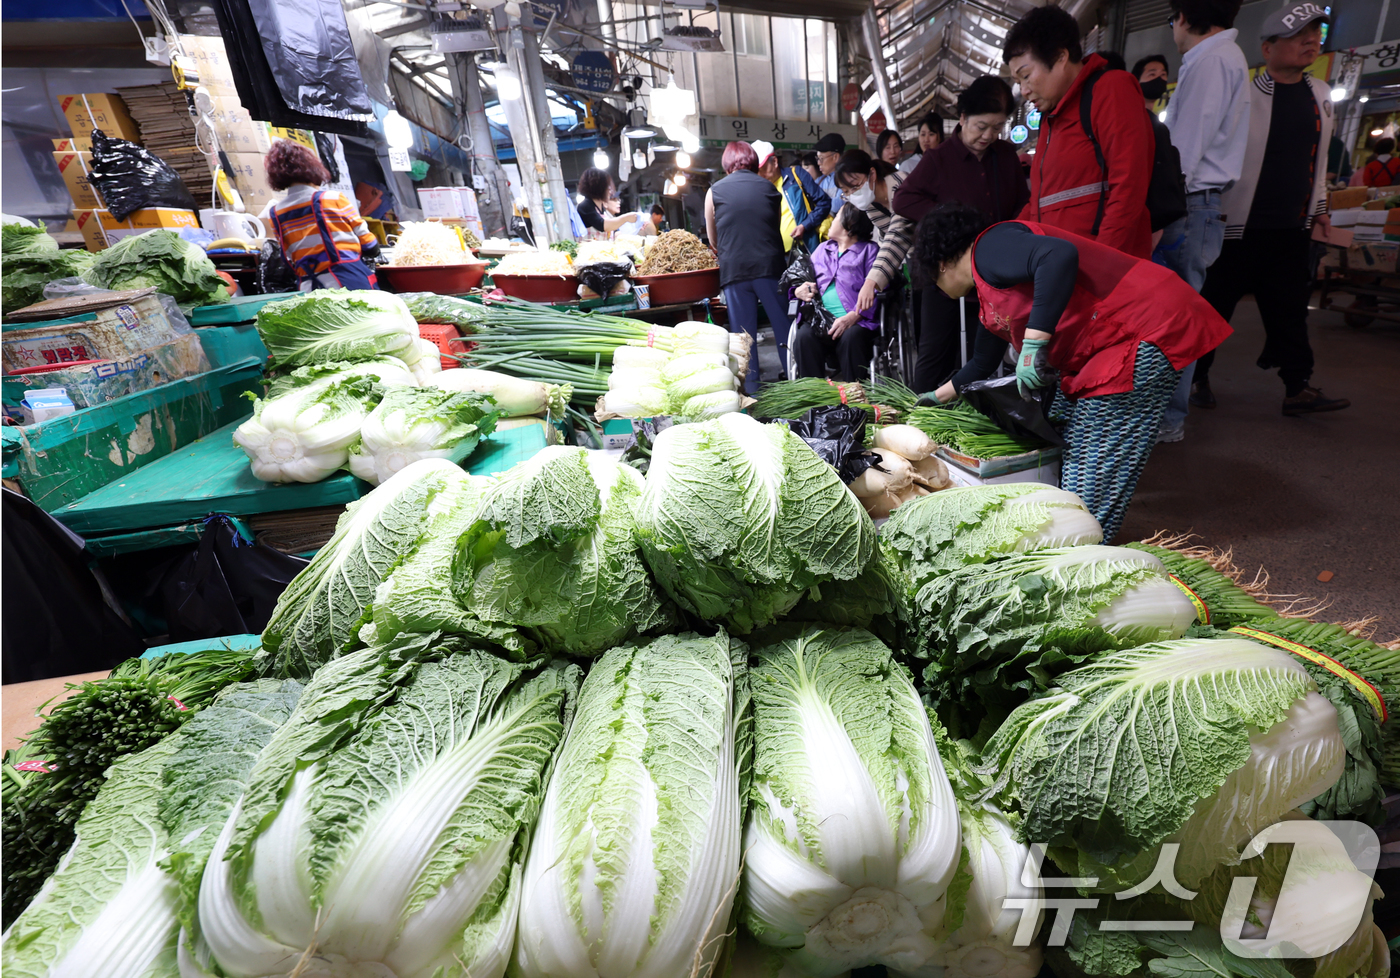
<point>635,860</point>
<point>19,238</point>
<point>327,325</point>
<point>23,275</point>
<point>739,519</point>
<point>162,260</point>
<point>429,307</point>
<point>411,423</point>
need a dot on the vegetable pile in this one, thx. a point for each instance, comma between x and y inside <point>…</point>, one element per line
<point>162,260</point>
<point>29,260</point>
<point>676,251</point>
<point>573,722</point>
<point>534,263</point>
<point>429,243</point>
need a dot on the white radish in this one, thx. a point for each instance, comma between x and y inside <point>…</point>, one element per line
<point>515,396</point>
<point>897,475</point>
<point>931,473</point>
<point>880,506</point>
<point>905,439</point>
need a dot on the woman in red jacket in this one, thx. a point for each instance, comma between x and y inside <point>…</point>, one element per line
<point>1117,329</point>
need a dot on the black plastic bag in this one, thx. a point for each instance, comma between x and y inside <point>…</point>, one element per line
<point>637,453</point>
<point>837,434</point>
<point>1024,417</point>
<point>228,586</point>
<point>130,178</point>
<point>274,274</point>
<point>602,276</point>
<point>799,269</point>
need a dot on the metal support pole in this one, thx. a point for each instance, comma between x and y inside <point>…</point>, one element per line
<point>494,201</point>
<point>524,135</point>
<point>556,214</point>
<point>877,64</point>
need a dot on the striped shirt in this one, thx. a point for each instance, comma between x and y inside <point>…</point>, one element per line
<point>896,236</point>
<point>302,242</point>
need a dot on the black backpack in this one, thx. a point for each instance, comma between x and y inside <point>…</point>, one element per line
<point>1166,194</point>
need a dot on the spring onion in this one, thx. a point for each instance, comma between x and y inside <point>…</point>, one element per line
<point>794,398</point>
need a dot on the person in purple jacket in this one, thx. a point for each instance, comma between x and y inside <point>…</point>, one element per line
<point>841,262</point>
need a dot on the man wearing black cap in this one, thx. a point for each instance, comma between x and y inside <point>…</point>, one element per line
<point>829,149</point>
<point>1280,195</point>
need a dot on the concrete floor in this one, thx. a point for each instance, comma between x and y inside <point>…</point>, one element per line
<point>1297,496</point>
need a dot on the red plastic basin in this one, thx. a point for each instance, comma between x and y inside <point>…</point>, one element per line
<point>442,279</point>
<point>679,287</point>
<point>538,288</point>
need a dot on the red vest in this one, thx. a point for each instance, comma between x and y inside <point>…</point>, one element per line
<point>1118,302</point>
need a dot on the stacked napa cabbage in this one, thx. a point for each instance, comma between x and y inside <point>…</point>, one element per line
<point>692,378</point>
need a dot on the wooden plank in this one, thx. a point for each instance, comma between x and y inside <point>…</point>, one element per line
<point>20,702</point>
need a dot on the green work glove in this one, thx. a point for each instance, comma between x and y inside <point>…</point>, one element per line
<point>1032,366</point>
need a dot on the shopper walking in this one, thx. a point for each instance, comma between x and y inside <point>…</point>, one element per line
<point>1209,123</point>
<point>930,138</point>
<point>974,166</point>
<point>829,149</point>
<point>742,213</point>
<point>804,205</point>
<point>1117,329</point>
<point>842,264</point>
<point>322,235</point>
<point>1100,194</point>
<point>1383,169</point>
<point>1280,194</point>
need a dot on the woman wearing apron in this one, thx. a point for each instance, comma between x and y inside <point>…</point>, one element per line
<point>322,234</point>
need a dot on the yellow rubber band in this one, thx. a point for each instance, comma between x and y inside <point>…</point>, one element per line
<point>1202,612</point>
<point>1369,692</point>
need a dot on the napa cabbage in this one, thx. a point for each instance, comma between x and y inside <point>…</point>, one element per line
<point>551,553</point>
<point>163,260</point>
<point>853,835</point>
<point>383,826</point>
<point>338,324</point>
<point>739,519</point>
<point>320,612</point>
<point>635,860</point>
<point>1198,742</point>
<point>411,423</point>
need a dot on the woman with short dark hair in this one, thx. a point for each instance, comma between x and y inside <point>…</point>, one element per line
<point>930,138</point>
<point>889,146</point>
<point>1113,331</point>
<point>322,234</point>
<point>743,213</point>
<point>842,263</point>
<point>599,208</point>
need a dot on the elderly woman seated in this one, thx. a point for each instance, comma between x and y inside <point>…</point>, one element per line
<point>841,262</point>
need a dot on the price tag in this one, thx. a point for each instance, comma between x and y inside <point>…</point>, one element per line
<point>399,159</point>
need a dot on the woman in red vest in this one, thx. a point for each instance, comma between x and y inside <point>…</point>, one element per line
<point>1117,329</point>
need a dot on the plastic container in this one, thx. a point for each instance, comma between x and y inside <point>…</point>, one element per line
<point>442,279</point>
<point>448,339</point>
<point>539,288</point>
<point>680,287</point>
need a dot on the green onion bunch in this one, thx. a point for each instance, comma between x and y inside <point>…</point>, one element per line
<point>1227,603</point>
<point>964,429</point>
<point>529,328</point>
<point>794,398</point>
<point>589,380</point>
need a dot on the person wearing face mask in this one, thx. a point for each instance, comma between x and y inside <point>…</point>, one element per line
<point>871,184</point>
<point>1281,194</point>
<point>973,166</point>
<point>1099,192</point>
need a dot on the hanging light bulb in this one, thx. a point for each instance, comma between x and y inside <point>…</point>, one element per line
<point>1339,94</point>
<point>600,158</point>
<point>682,159</point>
<point>397,132</point>
<point>639,160</point>
<point>679,179</point>
<point>670,188</point>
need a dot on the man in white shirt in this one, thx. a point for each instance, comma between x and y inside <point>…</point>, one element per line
<point>1209,122</point>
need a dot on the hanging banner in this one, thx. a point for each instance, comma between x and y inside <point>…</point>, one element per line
<point>716,130</point>
<point>592,71</point>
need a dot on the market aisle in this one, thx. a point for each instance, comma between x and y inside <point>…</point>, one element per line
<point>1298,495</point>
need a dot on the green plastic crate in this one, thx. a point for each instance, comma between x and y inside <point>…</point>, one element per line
<point>241,309</point>
<point>229,344</point>
<point>59,461</point>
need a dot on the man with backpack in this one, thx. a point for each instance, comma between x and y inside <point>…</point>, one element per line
<point>1209,122</point>
<point>1093,162</point>
<point>805,205</point>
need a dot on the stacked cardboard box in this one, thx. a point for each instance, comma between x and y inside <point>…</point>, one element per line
<point>167,130</point>
<point>98,110</point>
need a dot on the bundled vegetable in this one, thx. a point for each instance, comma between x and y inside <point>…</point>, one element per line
<point>305,433</point>
<point>551,553</point>
<point>853,833</point>
<point>1238,736</point>
<point>429,243</point>
<point>163,260</point>
<point>905,470</point>
<point>963,428</point>
<point>382,828</point>
<point>429,307</point>
<point>514,396</point>
<point>338,325</point>
<point>1219,599</point>
<point>739,519</point>
<point>676,251</point>
<point>694,380</point>
<point>794,398</point>
<point>635,860</point>
<point>412,423</point>
<point>995,631</point>
<point>319,614</point>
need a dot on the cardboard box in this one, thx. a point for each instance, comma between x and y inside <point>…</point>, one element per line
<point>98,110</point>
<point>236,129</point>
<point>1375,217</point>
<point>71,144</point>
<point>1350,197</point>
<point>100,229</point>
<point>249,175</point>
<point>440,202</point>
<point>74,169</point>
<point>1333,235</point>
<point>211,64</point>
<point>1039,466</point>
<point>1373,256</point>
